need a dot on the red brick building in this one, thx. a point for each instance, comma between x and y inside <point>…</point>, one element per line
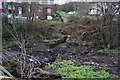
<point>38,10</point>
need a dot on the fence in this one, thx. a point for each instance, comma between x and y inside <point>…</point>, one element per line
<point>20,20</point>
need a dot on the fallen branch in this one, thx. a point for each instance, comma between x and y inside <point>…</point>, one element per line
<point>43,74</point>
<point>4,72</point>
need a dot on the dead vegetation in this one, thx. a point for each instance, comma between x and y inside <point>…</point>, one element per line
<point>29,55</point>
<point>33,54</point>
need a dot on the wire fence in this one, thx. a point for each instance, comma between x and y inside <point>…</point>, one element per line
<point>20,20</point>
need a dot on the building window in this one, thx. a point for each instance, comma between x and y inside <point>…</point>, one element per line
<point>40,9</point>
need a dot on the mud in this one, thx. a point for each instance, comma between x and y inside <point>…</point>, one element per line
<point>80,55</point>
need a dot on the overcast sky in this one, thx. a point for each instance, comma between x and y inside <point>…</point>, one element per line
<point>61,1</point>
<point>66,1</point>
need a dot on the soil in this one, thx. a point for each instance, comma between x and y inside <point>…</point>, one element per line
<point>80,55</point>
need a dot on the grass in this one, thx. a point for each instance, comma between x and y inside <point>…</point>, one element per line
<point>66,68</point>
<point>65,15</point>
<point>108,50</point>
<point>68,41</point>
<point>112,51</point>
<point>51,21</point>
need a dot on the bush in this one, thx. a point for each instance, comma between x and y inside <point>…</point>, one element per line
<point>32,31</point>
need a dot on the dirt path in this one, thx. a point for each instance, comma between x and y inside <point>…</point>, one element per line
<point>65,20</point>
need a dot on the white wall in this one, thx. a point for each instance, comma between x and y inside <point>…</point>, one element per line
<point>0,4</point>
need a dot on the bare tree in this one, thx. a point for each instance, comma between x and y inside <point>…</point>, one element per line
<point>108,28</point>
